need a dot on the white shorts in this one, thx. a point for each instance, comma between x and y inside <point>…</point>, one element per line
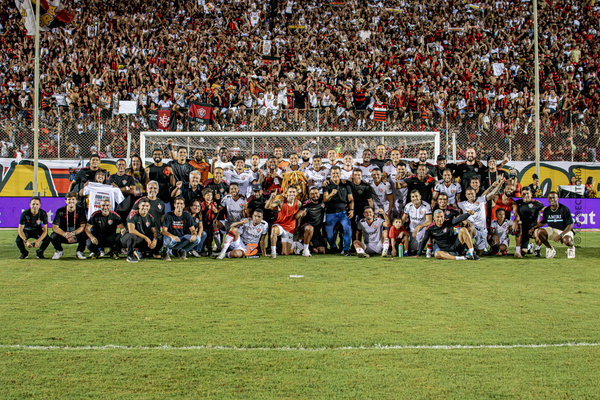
<point>282,99</point>
<point>374,248</point>
<point>237,245</point>
<point>286,237</point>
<point>226,225</point>
<point>262,111</point>
<point>480,239</point>
<point>553,232</point>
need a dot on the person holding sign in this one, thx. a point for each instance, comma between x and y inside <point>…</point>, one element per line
<point>245,237</point>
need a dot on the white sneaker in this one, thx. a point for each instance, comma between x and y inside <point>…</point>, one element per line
<point>550,253</point>
<point>384,253</point>
<point>57,255</point>
<point>273,255</point>
<point>81,256</point>
<point>102,254</point>
<point>221,255</point>
<point>571,252</point>
<point>298,248</point>
<point>429,253</point>
<point>306,253</point>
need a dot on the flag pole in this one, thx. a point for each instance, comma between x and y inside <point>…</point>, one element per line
<point>36,100</point>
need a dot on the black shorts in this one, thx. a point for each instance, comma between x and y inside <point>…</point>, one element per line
<point>317,239</point>
<point>455,250</point>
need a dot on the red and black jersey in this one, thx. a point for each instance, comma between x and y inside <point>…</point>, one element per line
<point>359,95</point>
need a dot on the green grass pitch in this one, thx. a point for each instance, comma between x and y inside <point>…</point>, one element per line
<point>257,333</point>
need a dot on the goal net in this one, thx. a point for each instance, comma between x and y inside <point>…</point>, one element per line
<point>264,144</point>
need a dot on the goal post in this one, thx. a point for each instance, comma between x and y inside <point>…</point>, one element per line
<point>317,143</point>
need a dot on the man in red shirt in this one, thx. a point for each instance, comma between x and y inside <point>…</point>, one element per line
<point>285,225</point>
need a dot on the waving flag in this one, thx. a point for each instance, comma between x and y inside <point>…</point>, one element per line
<point>201,112</point>
<point>53,14</point>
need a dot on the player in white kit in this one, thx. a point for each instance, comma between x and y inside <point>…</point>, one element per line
<point>383,192</point>
<point>243,177</point>
<point>374,235</point>
<point>498,236</point>
<point>245,237</point>
<point>450,188</point>
<point>419,213</point>
<point>317,174</point>
<point>399,193</point>
<point>478,219</point>
<point>234,205</point>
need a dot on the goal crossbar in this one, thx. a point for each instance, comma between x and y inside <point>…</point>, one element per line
<point>432,136</point>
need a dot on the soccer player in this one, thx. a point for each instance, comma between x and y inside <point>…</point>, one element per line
<point>273,175</point>
<point>448,187</point>
<point>447,244</point>
<point>391,167</point>
<point>285,224</point>
<point>382,193</point>
<point>560,227</point>
<point>375,237</point>
<point>239,175</point>
<point>478,218</point>
<point>399,193</point>
<point>233,203</point>
<point>219,187</point>
<point>104,229</point>
<point>527,216</point>
<point>339,205</point>
<point>312,217</point>
<point>317,174</point>
<point>498,235</point>
<point>68,227</point>
<point>142,235</point>
<point>419,213</point>
<point>421,182</point>
<point>366,167</point>
<point>175,228</point>
<point>347,170</point>
<point>161,174</point>
<point>126,183</point>
<point>33,224</point>
<point>398,235</point>
<point>245,237</point>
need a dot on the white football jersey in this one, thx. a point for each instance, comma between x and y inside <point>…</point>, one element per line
<point>501,230</point>
<point>478,219</point>
<point>346,175</point>
<point>450,191</point>
<point>381,192</point>
<point>371,233</point>
<point>250,233</point>
<point>234,207</point>
<point>243,179</point>
<point>317,177</point>
<point>417,215</point>
<point>366,172</point>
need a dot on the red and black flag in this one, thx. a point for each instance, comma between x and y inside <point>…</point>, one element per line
<point>162,120</point>
<point>52,14</point>
<point>201,112</point>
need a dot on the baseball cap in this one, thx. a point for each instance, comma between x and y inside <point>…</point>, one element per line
<point>441,157</point>
<point>257,187</point>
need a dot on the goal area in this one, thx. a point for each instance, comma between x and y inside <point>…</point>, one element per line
<point>263,144</point>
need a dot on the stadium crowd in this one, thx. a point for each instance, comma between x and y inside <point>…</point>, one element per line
<point>429,65</point>
<point>300,205</point>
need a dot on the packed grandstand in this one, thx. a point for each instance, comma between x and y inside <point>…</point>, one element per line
<point>459,68</point>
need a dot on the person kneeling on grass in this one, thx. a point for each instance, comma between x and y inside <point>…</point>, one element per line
<point>245,237</point>
<point>498,233</point>
<point>33,224</point>
<point>560,227</point>
<point>68,227</point>
<point>140,228</point>
<point>447,245</point>
<point>104,229</point>
<point>285,224</point>
<point>374,234</point>
<point>176,226</point>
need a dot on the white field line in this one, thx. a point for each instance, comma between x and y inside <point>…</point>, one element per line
<point>302,348</point>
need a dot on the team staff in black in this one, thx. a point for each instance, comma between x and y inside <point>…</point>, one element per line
<point>560,227</point>
<point>87,174</point>
<point>126,183</point>
<point>163,175</point>
<point>447,245</point>
<point>33,224</point>
<point>312,215</point>
<point>339,204</point>
<point>420,182</point>
<point>68,227</point>
<point>362,193</point>
<point>142,235</point>
<point>528,214</point>
<point>190,190</point>
<point>104,229</point>
<point>181,168</point>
